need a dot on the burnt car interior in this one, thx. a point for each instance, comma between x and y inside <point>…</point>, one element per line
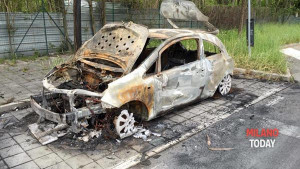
<point>149,47</point>
<point>177,55</point>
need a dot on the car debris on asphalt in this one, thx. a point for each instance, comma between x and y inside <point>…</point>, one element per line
<point>215,148</point>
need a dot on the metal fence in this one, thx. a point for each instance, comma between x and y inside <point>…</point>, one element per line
<point>50,28</point>
<point>47,28</point>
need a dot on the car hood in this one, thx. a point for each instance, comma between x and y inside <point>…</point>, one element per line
<point>119,43</point>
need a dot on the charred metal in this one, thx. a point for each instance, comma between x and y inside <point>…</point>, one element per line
<point>116,71</point>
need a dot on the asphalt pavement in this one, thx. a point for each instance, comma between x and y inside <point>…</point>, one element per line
<point>280,111</point>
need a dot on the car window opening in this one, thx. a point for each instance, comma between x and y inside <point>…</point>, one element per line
<point>150,46</point>
<point>210,49</point>
<point>180,53</point>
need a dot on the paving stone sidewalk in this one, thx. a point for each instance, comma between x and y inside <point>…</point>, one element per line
<point>18,149</point>
<point>20,81</point>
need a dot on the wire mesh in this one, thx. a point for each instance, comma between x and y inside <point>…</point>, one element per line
<point>34,43</point>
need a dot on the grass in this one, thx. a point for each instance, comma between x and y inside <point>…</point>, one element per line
<point>268,39</point>
<point>13,60</point>
<point>266,55</point>
<point>57,61</point>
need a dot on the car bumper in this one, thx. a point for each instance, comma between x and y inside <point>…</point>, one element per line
<point>66,118</point>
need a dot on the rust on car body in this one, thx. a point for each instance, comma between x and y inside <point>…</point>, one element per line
<point>117,70</point>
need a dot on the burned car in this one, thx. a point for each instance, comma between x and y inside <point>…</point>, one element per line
<point>126,66</point>
<point>117,69</point>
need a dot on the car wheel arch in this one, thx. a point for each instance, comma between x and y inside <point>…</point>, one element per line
<point>138,108</point>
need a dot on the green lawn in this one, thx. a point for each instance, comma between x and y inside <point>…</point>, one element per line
<point>265,54</point>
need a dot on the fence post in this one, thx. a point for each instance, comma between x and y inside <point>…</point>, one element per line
<point>158,17</point>
<point>45,29</point>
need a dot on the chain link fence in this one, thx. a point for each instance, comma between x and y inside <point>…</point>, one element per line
<point>44,32</point>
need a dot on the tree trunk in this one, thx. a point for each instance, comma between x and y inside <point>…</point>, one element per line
<point>92,16</point>
<point>243,12</point>
<point>77,23</point>
<point>102,12</point>
<point>65,24</point>
<point>9,26</point>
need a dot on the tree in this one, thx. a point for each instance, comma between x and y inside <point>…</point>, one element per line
<point>62,9</point>
<point>77,23</point>
<point>92,16</point>
<point>102,12</point>
<point>7,8</point>
<point>242,16</point>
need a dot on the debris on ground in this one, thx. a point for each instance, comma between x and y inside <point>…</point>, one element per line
<point>220,149</point>
<point>144,134</point>
<point>125,126</point>
<point>92,134</point>
<point>214,148</point>
<point>10,100</point>
<point>208,140</point>
<point>7,122</point>
<point>47,133</point>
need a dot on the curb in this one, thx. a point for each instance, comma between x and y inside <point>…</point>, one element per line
<point>257,74</point>
<point>290,45</point>
<point>18,104</point>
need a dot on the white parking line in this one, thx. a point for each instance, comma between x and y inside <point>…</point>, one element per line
<point>275,100</point>
<point>265,95</point>
<point>285,129</point>
<point>291,52</point>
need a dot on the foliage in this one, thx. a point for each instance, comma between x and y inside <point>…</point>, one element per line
<point>56,61</point>
<point>266,55</point>
<point>29,6</point>
<point>285,6</point>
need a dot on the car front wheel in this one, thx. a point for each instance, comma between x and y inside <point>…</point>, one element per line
<point>225,85</point>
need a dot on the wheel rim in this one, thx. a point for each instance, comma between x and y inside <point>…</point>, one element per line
<point>225,85</point>
<point>124,124</point>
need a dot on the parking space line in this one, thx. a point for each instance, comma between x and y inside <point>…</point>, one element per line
<point>285,129</point>
<point>291,52</point>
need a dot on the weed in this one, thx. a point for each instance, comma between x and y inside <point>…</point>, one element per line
<point>57,61</point>
<point>25,69</point>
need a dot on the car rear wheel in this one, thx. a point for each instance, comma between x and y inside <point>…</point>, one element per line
<point>225,85</point>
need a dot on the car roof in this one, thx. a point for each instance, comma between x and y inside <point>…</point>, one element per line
<point>170,33</point>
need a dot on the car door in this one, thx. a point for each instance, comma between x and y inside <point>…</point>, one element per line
<point>216,58</point>
<point>181,84</point>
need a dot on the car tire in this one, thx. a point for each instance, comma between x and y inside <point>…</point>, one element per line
<point>225,85</point>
